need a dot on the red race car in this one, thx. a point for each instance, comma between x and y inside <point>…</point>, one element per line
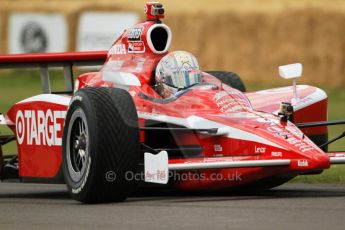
<point>153,117</point>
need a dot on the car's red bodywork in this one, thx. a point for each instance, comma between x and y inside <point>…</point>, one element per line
<point>249,128</point>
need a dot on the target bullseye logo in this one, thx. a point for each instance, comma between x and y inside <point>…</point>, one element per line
<point>20,127</point>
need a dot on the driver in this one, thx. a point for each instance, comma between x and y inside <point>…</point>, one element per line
<point>176,71</point>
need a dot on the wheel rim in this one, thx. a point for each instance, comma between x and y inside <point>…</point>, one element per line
<point>77,146</point>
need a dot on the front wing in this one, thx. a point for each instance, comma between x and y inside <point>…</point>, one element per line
<point>159,164</point>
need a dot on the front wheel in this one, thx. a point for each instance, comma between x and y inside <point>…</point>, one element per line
<point>100,145</point>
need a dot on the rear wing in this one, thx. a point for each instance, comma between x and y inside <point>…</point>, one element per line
<point>44,61</point>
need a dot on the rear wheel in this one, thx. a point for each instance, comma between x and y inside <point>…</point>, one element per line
<point>100,145</point>
<point>229,78</point>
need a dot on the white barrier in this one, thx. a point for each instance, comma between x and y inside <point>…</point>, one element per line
<point>37,32</point>
<point>98,30</point>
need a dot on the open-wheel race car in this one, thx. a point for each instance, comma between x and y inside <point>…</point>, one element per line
<point>110,126</point>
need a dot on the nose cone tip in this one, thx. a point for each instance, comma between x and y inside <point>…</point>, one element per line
<point>319,161</point>
<point>324,160</point>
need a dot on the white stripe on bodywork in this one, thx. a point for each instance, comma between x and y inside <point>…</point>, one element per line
<point>196,122</point>
<point>51,98</point>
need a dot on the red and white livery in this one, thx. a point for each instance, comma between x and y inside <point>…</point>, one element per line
<point>111,125</point>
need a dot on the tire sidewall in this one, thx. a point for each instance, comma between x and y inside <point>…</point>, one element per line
<point>79,190</point>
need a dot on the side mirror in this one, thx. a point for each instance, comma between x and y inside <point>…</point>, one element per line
<point>291,71</point>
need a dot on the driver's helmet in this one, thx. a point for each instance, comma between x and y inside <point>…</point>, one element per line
<point>176,71</point>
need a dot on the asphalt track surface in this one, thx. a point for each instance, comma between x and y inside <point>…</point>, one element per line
<point>291,206</point>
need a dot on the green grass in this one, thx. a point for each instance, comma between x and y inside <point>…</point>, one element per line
<point>334,175</point>
<point>18,85</point>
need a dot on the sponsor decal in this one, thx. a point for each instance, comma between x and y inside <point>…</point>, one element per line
<point>158,175</point>
<point>219,95</point>
<point>117,49</point>
<point>136,47</point>
<point>302,163</point>
<point>260,149</point>
<point>263,120</point>
<point>303,101</point>
<point>38,127</point>
<point>134,34</point>
<point>267,119</point>
<point>218,148</point>
<point>278,132</point>
<point>276,154</point>
<point>135,43</point>
<point>304,147</point>
<point>228,104</point>
<point>295,131</point>
<point>287,135</point>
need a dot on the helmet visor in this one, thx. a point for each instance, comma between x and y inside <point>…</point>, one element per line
<point>183,79</point>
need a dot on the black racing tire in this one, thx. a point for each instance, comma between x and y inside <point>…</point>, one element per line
<point>101,145</point>
<point>229,78</point>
